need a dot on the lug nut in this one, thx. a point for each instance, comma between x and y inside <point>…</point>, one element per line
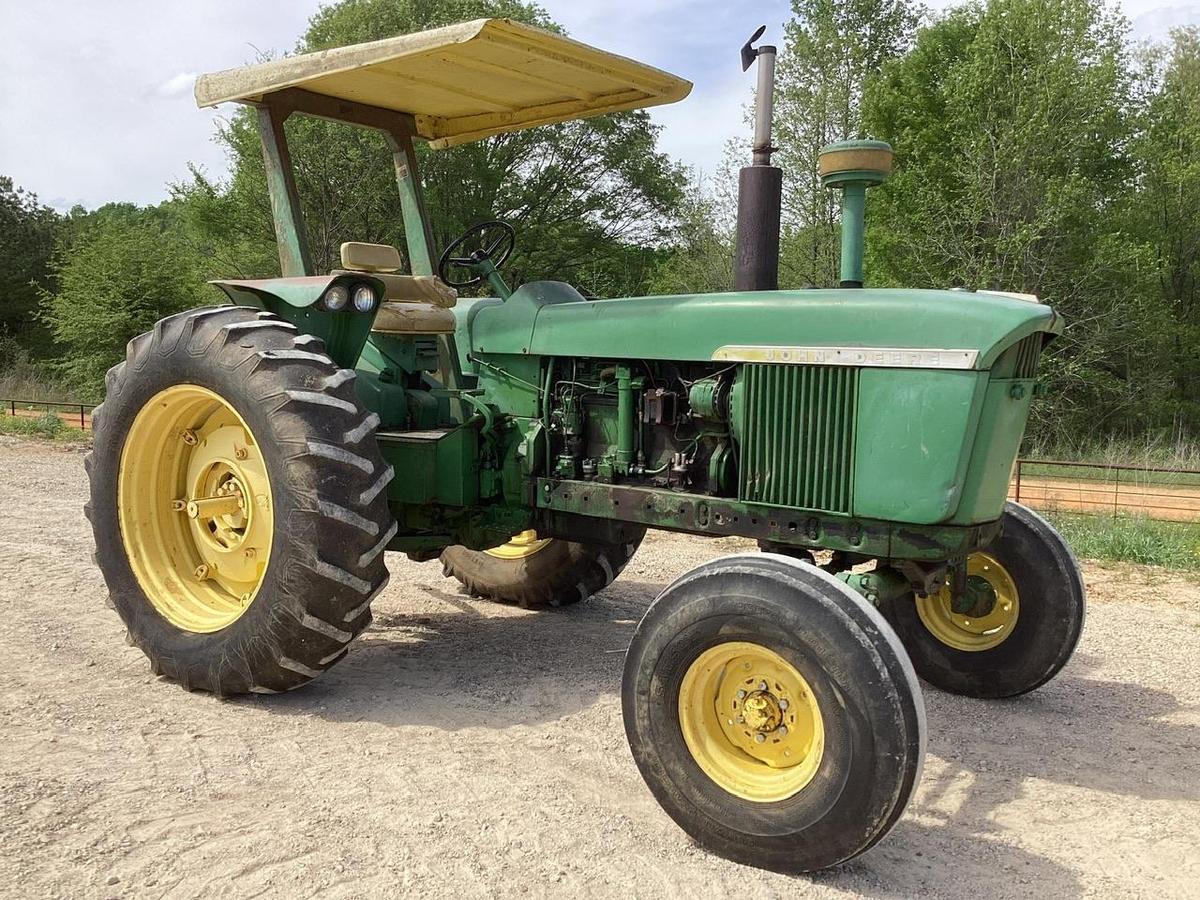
<point>783,729</point>
<point>188,437</point>
<point>741,694</point>
<point>760,737</point>
<point>202,571</point>
<point>783,704</point>
<point>762,685</point>
<point>241,453</point>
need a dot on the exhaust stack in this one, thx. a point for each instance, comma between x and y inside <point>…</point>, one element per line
<point>760,185</point>
<point>854,166</point>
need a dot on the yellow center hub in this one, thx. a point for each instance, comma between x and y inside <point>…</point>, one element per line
<point>751,722</point>
<point>522,545</point>
<point>974,633</point>
<point>195,509</point>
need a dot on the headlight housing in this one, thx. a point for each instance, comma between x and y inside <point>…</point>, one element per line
<point>364,298</point>
<point>336,298</point>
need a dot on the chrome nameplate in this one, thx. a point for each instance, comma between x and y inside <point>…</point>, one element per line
<point>865,357</point>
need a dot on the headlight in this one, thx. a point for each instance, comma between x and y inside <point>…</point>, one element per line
<point>336,298</point>
<point>364,298</point>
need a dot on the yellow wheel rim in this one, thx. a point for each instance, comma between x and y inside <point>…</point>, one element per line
<point>521,546</point>
<point>990,619</point>
<point>751,722</point>
<point>195,510</point>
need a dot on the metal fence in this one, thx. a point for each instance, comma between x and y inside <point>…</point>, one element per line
<point>1108,489</point>
<point>79,414</point>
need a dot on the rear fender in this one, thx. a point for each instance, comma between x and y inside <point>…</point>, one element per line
<point>296,300</point>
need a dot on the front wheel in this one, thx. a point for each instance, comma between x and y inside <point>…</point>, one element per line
<point>773,713</point>
<point>1018,623</point>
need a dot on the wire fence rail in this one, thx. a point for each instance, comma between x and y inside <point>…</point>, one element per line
<point>78,415</point>
<point>1110,489</point>
<point>1062,485</point>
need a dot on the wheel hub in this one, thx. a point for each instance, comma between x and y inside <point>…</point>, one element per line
<point>761,711</point>
<point>751,721</point>
<point>194,502</point>
<point>984,617</point>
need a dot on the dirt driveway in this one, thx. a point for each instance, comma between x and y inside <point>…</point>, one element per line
<point>463,749</point>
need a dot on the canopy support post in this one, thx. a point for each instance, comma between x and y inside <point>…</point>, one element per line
<point>422,258</point>
<point>417,232</point>
<point>294,259</point>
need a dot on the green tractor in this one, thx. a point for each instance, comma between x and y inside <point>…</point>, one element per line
<point>254,460</point>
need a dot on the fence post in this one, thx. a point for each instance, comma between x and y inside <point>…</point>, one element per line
<point>1019,463</point>
<point>81,417</point>
<point>1116,491</point>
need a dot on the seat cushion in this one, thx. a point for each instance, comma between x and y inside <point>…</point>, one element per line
<point>360,257</point>
<point>412,288</point>
<point>413,318</point>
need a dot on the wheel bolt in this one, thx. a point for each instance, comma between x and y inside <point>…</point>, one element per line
<point>762,685</point>
<point>760,737</point>
<point>188,437</point>
<point>241,453</point>
<point>251,553</point>
<point>783,704</point>
<point>741,720</point>
<point>783,729</point>
<point>202,571</point>
<point>741,694</point>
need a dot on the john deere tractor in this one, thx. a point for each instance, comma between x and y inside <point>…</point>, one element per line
<point>254,460</point>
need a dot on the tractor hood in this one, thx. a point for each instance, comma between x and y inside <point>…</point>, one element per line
<point>908,328</point>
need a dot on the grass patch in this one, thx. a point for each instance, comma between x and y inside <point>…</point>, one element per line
<point>1131,539</point>
<point>48,426</point>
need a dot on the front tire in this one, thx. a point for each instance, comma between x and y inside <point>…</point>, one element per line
<point>773,713</point>
<point>1032,614</point>
<point>237,502</point>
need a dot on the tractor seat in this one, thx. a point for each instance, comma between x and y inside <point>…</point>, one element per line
<point>412,304</point>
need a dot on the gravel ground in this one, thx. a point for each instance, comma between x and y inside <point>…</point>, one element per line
<point>472,750</point>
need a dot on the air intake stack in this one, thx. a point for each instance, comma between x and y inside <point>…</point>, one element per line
<point>760,185</point>
<point>854,166</point>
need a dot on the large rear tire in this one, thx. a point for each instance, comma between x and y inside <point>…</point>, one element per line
<point>237,502</point>
<point>1027,606</point>
<point>773,713</point>
<point>535,573</point>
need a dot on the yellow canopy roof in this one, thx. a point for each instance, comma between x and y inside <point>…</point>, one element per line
<point>461,82</point>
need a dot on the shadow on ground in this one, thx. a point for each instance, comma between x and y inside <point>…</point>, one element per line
<point>455,668</point>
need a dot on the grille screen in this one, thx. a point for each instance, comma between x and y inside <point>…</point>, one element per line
<point>798,446</point>
<point>1027,357</point>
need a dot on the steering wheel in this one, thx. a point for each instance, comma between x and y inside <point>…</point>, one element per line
<point>487,242</point>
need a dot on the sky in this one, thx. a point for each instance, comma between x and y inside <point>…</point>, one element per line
<point>96,97</point>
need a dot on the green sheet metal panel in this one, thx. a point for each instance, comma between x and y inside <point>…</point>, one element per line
<point>546,318</point>
<point>914,435</point>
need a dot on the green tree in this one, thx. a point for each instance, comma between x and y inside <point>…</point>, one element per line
<point>591,200</point>
<point>700,259</point>
<point>120,271</point>
<point>27,234</point>
<point>1011,122</point>
<point>1166,214</point>
<point>833,48</point>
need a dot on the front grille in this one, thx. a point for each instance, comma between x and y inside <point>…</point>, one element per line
<point>798,444</point>
<point>1028,351</point>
